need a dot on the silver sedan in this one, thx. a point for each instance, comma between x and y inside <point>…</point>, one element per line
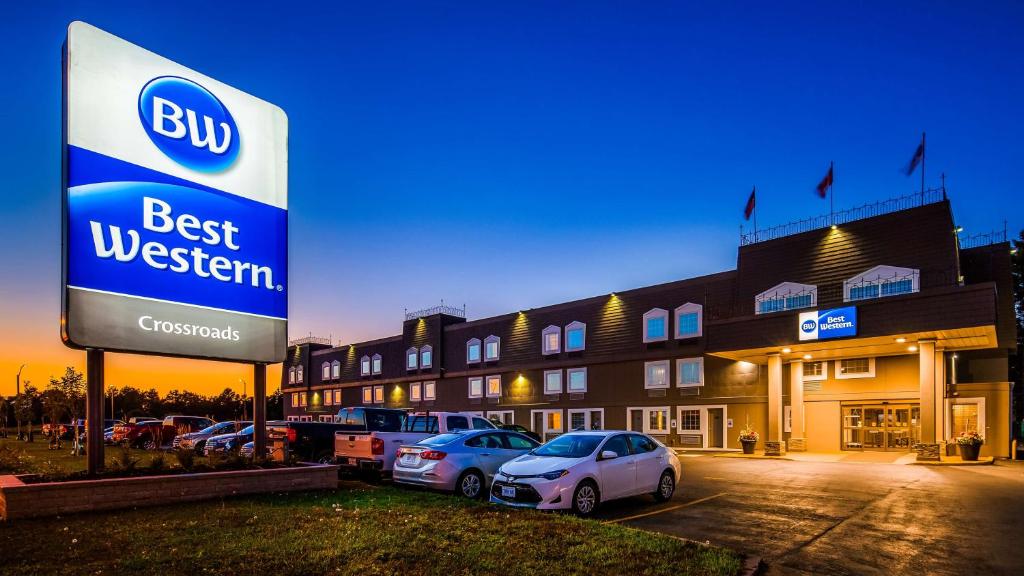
<point>464,462</point>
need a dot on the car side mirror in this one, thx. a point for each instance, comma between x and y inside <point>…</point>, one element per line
<point>608,455</point>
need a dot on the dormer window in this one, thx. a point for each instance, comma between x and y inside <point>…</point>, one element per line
<point>336,370</point>
<point>689,321</point>
<point>551,340</point>
<point>364,366</point>
<point>325,371</point>
<point>412,359</point>
<point>656,325</point>
<point>298,375</point>
<point>291,376</point>
<point>375,364</point>
<point>575,337</point>
<point>473,351</point>
<point>426,356</point>
<point>882,281</point>
<point>492,348</point>
<point>786,296</point>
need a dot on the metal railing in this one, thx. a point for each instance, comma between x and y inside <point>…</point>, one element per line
<point>843,216</point>
<point>441,308</point>
<point>310,340</point>
<point>983,239</point>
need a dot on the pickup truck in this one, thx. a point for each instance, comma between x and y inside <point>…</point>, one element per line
<point>305,441</point>
<point>376,434</point>
<point>153,434</point>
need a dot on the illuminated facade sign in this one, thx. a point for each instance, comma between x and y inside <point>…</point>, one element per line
<point>175,208</point>
<point>825,324</point>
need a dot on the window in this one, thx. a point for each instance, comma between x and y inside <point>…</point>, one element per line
<point>882,281</point>
<point>586,419</point>
<point>412,359</point>
<point>476,387</point>
<point>493,386</point>
<point>546,423</point>
<point>553,382</point>
<point>325,371</point>
<point>689,372</point>
<point>968,415</point>
<point>367,394</point>
<point>293,418</point>
<point>689,420</point>
<point>326,418</point>
<point>295,399</point>
<point>786,296</point>
<point>429,391</point>
<point>689,320</point>
<point>364,366</point>
<point>815,371</point>
<point>378,394</point>
<point>641,444</point>
<point>481,423</point>
<point>618,444</point>
<point>426,357</point>
<point>787,418</point>
<point>337,397</point>
<point>457,423</point>
<point>291,375</point>
<point>656,374</point>
<point>473,350</point>
<point>375,364</point>
<point>336,370</point>
<point>328,398</point>
<point>577,379</point>
<point>517,442</point>
<point>415,392</point>
<point>502,417</point>
<point>302,398</point>
<point>656,325</point>
<point>298,375</point>
<point>551,340</point>
<point>575,337</point>
<point>492,347</point>
<point>657,421</point>
<point>855,368</point>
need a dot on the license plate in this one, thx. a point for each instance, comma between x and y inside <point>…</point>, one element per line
<point>508,491</point>
<point>352,461</point>
<point>408,458</point>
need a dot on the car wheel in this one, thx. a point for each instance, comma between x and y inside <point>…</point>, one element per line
<point>470,484</point>
<point>325,458</point>
<point>666,487</point>
<point>585,499</point>
<point>149,444</point>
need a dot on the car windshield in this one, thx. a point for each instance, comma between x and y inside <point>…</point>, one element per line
<point>570,446</point>
<point>246,430</point>
<point>441,439</point>
<point>215,427</point>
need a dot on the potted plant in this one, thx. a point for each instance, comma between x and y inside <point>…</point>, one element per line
<point>970,444</point>
<point>748,438</point>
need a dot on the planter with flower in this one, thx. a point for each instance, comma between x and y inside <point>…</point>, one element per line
<point>970,444</point>
<point>748,438</point>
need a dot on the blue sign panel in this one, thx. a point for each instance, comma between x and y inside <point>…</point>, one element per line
<point>824,324</point>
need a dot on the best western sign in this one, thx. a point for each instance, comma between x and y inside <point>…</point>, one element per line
<point>175,208</point>
<point>824,324</point>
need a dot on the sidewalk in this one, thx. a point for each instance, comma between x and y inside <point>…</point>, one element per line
<point>901,458</point>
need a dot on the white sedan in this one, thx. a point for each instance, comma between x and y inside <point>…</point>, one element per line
<point>580,470</point>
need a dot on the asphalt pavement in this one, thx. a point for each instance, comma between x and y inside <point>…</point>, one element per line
<point>861,518</point>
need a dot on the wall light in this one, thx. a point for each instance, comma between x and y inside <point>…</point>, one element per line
<point>808,356</point>
<point>901,340</point>
<point>912,348</point>
<point>786,350</point>
<point>834,227</point>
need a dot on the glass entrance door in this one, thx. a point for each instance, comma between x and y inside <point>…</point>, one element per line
<point>890,427</point>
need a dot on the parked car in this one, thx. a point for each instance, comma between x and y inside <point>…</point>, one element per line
<point>305,441</point>
<point>248,448</point>
<point>197,440</point>
<point>579,470</point>
<point>464,462</point>
<point>377,433</point>
<point>122,430</point>
<point>226,443</point>
<point>522,430</point>
<point>153,434</point>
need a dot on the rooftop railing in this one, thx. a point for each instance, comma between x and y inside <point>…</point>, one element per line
<point>983,239</point>
<point>309,340</point>
<point>442,308</point>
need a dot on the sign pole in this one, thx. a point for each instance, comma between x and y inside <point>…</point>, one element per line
<point>259,410</point>
<point>94,410</point>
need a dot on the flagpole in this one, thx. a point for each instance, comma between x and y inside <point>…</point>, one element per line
<point>832,194</point>
<point>754,212</point>
<point>924,152</point>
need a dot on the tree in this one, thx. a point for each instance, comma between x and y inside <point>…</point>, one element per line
<point>1017,363</point>
<point>24,404</point>
<point>275,405</point>
<point>4,407</point>
<point>69,390</point>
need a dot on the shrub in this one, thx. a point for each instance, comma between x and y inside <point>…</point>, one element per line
<point>157,462</point>
<point>186,459</point>
<point>123,461</point>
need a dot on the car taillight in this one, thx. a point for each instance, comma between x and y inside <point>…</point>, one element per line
<point>398,453</point>
<point>433,455</point>
<point>377,446</point>
<point>292,435</point>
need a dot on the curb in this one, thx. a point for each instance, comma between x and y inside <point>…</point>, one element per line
<point>752,565</point>
<point>986,462</point>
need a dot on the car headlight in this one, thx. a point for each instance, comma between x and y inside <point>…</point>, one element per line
<point>554,474</point>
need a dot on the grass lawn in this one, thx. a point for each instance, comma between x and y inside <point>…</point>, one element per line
<point>357,529</point>
<point>37,458</point>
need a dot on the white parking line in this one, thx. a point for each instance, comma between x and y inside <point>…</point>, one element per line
<point>669,509</point>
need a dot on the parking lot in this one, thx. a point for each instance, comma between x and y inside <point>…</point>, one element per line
<point>846,518</point>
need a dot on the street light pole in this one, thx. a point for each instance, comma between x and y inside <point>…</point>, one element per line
<point>245,393</point>
<point>17,397</point>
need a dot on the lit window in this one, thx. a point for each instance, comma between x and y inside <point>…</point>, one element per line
<point>429,391</point>
<point>367,395</point>
<point>473,350</point>
<point>302,398</point>
<point>291,375</point>
<point>815,370</point>
<point>337,397</point>
<point>295,399</point>
<point>656,325</point>
<point>492,346</point>
<point>415,392</point>
<point>786,296</point>
<point>576,379</point>
<point>575,337</point>
<point>328,398</point>
<point>689,320</point>
<point>298,375</point>
<point>855,368</point>
<point>689,420</point>
<point>378,394</point>
<point>364,366</point>
<point>375,364</point>
<point>493,386</point>
<point>336,370</point>
<point>657,421</point>
<point>690,372</point>
<point>656,374</point>
<point>551,340</point>
<point>426,357</point>
<point>882,281</point>
<point>325,371</point>
<point>476,387</point>
<point>412,359</point>
<point>553,421</point>
<point>553,382</point>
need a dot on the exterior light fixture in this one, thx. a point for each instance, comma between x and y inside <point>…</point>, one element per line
<point>959,229</point>
<point>912,348</point>
<point>901,340</point>
<point>807,356</point>
<point>786,350</point>
<point>1013,251</point>
<point>834,227</point>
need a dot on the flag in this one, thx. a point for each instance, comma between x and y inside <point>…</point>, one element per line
<point>750,204</point>
<point>917,159</point>
<point>825,183</point>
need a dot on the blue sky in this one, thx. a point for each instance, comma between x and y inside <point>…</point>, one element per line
<point>508,155</point>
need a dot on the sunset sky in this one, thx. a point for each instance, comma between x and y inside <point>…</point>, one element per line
<point>511,155</point>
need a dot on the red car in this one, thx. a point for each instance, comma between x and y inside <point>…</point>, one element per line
<point>153,434</point>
